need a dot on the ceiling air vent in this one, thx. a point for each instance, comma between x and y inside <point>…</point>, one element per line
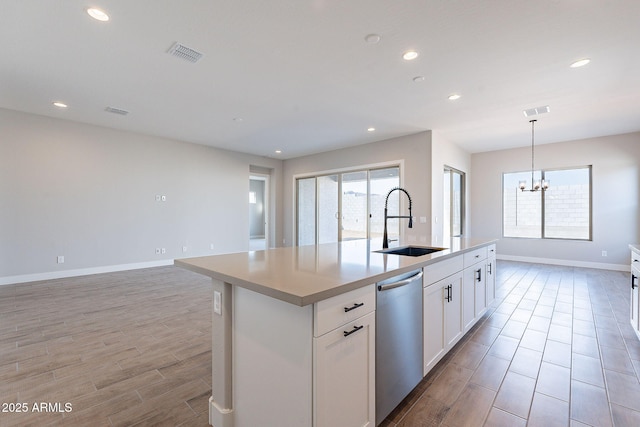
<point>535,111</point>
<point>116,111</point>
<point>183,52</point>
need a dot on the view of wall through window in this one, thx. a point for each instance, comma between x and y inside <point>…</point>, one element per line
<point>346,206</point>
<point>563,211</point>
<point>453,203</point>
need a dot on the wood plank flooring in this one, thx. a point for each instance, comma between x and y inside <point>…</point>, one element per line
<point>555,349</point>
<point>127,348</point>
<point>134,348</point>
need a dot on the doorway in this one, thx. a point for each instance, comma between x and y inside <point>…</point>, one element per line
<point>258,212</point>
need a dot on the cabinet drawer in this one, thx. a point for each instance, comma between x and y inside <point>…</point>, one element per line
<point>491,251</point>
<point>441,269</point>
<point>635,257</point>
<point>474,256</point>
<point>341,309</point>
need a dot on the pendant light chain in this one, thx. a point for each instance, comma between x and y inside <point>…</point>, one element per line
<point>532,152</point>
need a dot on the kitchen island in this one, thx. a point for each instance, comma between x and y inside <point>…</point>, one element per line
<point>294,328</point>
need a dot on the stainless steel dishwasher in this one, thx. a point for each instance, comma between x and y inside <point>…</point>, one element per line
<point>398,340</point>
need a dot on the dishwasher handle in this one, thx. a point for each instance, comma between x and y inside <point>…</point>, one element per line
<point>400,282</point>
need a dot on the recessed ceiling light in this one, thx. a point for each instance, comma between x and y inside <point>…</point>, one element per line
<point>60,104</point>
<point>371,129</point>
<point>410,55</point>
<point>453,97</point>
<point>237,119</point>
<point>372,38</point>
<point>97,14</point>
<point>278,151</point>
<point>418,79</point>
<point>580,63</point>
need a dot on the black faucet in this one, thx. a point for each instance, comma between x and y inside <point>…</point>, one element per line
<point>385,239</point>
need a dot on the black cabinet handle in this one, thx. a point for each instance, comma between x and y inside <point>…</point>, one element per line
<point>490,267</point>
<point>633,281</point>
<point>355,305</point>
<point>355,329</point>
<point>479,278</point>
<point>449,293</point>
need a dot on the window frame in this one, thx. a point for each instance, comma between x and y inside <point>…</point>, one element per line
<point>368,168</point>
<point>543,236</point>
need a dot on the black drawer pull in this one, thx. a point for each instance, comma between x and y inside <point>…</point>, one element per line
<point>479,278</point>
<point>355,305</point>
<point>633,281</point>
<point>355,329</point>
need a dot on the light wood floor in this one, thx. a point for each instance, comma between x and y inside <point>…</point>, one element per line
<point>134,348</point>
<point>127,348</point>
<point>556,349</point>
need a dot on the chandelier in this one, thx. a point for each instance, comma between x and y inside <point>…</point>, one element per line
<point>535,185</point>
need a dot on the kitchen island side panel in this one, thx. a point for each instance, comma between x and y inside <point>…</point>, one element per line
<point>272,361</point>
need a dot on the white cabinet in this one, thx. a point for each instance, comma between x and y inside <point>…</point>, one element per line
<point>344,361</point>
<point>490,282</point>
<point>469,277</point>
<point>474,292</point>
<point>442,308</point>
<point>635,297</point>
<point>286,375</point>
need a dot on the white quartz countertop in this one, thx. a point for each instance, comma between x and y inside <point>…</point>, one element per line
<point>303,275</point>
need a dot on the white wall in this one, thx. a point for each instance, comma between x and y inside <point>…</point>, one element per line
<point>445,153</point>
<point>615,192</point>
<point>414,150</point>
<point>88,193</point>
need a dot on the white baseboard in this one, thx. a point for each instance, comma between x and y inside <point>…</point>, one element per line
<point>9,280</point>
<point>566,262</point>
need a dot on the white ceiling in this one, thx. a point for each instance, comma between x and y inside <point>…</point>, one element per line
<point>302,78</point>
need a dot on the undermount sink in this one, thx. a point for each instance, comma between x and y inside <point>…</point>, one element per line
<point>411,250</point>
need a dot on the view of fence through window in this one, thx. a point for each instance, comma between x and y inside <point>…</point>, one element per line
<point>561,212</point>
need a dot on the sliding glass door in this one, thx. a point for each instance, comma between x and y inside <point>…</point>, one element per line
<point>345,206</point>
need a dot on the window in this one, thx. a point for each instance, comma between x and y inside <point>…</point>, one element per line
<point>563,211</point>
<point>453,203</point>
<point>346,206</point>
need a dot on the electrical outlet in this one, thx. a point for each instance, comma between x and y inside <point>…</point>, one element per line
<point>157,251</point>
<point>164,251</point>
<point>60,259</point>
<point>211,246</point>
<point>157,197</point>
<point>184,249</point>
<point>217,302</point>
<point>604,253</point>
<point>163,198</point>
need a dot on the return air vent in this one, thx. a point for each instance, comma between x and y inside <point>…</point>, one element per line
<point>116,111</point>
<point>183,52</point>
<point>535,111</point>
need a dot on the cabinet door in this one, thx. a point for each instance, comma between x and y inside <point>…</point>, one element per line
<point>453,327</point>
<point>480,277</point>
<point>468,297</point>
<point>344,375</point>
<point>433,323</point>
<point>491,280</point>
